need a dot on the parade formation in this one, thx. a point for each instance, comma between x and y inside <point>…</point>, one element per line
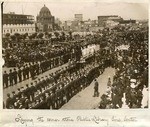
<point>124,48</point>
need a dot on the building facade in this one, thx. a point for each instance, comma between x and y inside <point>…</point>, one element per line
<point>45,21</point>
<point>18,23</point>
<point>123,22</point>
<point>19,28</point>
<point>12,18</point>
<point>102,20</point>
<point>78,17</point>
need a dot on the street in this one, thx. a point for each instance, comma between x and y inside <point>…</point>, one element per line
<point>23,84</point>
<point>85,99</point>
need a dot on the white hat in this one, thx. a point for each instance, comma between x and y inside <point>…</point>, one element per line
<point>133,85</point>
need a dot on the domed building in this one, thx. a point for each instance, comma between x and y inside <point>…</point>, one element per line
<point>45,21</point>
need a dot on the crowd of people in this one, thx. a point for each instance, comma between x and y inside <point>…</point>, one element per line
<point>18,53</point>
<point>54,90</point>
<point>33,67</point>
<point>131,75</point>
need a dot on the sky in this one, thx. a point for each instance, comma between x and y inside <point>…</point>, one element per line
<point>66,10</point>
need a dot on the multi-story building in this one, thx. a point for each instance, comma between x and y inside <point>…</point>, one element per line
<point>123,22</point>
<point>18,23</point>
<point>78,17</point>
<point>66,25</point>
<point>45,21</point>
<point>12,18</point>
<point>19,28</point>
<point>102,20</point>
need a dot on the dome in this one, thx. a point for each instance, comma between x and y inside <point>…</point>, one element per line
<point>45,11</point>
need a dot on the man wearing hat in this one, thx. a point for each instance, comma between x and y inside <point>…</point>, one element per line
<point>20,74</point>
<point>5,79</point>
<point>53,99</point>
<point>22,89</point>
<point>43,83</point>
<point>27,91</point>
<point>48,100</point>
<point>139,97</point>
<point>24,72</point>
<point>14,73</point>
<point>96,86</point>
<point>9,101</point>
<point>37,104</point>
<point>32,71</point>
<point>13,97</point>
<point>19,93</point>
<point>22,99</point>
<point>32,91</point>
<point>37,68</point>
<point>39,85</point>
<point>27,70</point>
<point>11,77</point>
<point>26,103</point>
<point>17,103</point>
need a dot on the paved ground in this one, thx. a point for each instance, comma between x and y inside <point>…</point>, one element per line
<point>85,99</point>
<point>22,84</point>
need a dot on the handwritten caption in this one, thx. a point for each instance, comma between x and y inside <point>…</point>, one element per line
<point>20,119</point>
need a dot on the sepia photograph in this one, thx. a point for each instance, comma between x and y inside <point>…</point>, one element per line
<point>75,55</point>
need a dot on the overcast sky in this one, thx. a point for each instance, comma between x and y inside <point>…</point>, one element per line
<point>66,10</point>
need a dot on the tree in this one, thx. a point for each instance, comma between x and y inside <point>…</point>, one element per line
<point>26,35</point>
<point>7,35</point>
<point>34,35</point>
<point>49,35</point>
<point>13,37</point>
<point>56,34</point>
<point>46,34</point>
<point>31,37</point>
<point>63,36</point>
<point>70,34</point>
<point>18,36</point>
<point>40,35</point>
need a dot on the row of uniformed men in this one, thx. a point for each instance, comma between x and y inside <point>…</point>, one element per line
<point>31,70</point>
<point>60,91</point>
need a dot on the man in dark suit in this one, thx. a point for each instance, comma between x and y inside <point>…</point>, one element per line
<point>39,85</point>
<point>19,93</point>
<point>20,74</point>
<point>5,79</point>
<point>27,91</point>
<point>32,91</point>
<point>15,76</point>
<point>9,101</point>
<point>14,97</point>
<point>11,78</point>
<point>22,99</point>
<point>32,71</point>
<point>48,100</point>
<point>96,85</point>
<point>24,73</point>
<point>27,71</point>
<point>37,68</point>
